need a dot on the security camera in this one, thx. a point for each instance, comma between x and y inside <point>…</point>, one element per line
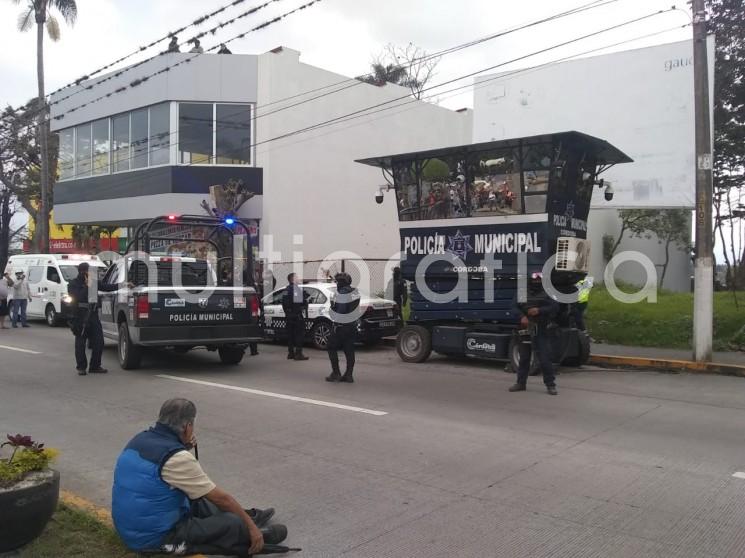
<point>379,197</point>
<point>608,192</point>
<point>381,192</point>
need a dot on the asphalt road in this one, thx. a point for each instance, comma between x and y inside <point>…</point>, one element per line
<point>433,460</point>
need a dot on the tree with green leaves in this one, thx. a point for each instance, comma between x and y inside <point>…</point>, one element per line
<point>671,227</point>
<point>41,13</point>
<point>727,21</point>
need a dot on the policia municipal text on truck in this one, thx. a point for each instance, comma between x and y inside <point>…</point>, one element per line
<point>476,223</point>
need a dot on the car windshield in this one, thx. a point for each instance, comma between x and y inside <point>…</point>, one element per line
<point>69,272</point>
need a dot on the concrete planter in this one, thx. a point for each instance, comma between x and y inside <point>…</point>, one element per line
<point>25,508</point>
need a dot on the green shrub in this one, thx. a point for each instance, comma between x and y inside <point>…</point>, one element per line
<point>27,457</point>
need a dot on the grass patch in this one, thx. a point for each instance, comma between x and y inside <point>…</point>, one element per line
<point>72,532</point>
<point>668,323</point>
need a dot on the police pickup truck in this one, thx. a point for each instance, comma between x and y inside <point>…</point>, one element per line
<point>155,313</point>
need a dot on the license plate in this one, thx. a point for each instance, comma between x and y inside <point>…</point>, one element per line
<point>387,324</point>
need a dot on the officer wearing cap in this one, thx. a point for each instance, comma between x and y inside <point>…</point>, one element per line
<point>344,306</point>
<point>536,312</point>
<point>85,323</point>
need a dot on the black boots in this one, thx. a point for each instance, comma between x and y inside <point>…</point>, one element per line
<point>517,387</point>
<point>334,377</point>
<point>300,356</point>
<point>337,377</point>
<point>347,377</point>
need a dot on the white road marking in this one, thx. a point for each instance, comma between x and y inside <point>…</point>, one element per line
<point>739,475</point>
<point>20,350</point>
<point>278,395</point>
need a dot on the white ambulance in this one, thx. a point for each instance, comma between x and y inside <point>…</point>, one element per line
<point>48,276</point>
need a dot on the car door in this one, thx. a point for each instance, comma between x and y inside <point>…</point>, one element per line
<point>35,278</point>
<point>274,314</point>
<point>317,304</point>
<point>109,299</point>
<point>53,288</point>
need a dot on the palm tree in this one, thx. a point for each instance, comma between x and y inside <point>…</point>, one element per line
<point>40,12</point>
<point>385,73</point>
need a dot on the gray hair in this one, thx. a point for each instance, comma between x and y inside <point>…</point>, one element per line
<point>177,413</point>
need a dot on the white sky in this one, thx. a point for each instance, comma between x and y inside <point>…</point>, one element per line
<point>339,35</point>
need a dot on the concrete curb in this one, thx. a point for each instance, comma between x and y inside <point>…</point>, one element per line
<point>102,514</point>
<point>669,364</point>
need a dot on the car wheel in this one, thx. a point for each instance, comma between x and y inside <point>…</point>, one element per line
<point>231,355</point>
<point>320,335</point>
<point>130,355</point>
<point>414,344</point>
<point>51,316</point>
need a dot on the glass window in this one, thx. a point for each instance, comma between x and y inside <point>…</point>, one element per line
<point>443,188</point>
<point>536,175</point>
<point>121,143</point>
<point>160,137</point>
<point>407,196</point>
<point>139,139</point>
<point>53,274</point>
<point>66,159</point>
<point>83,150</point>
<point>233,134</point>
<point>195,133</point>
<point>494,187</point>
<point>101,146</point>
<point>275,298</point>
<point>315,296</point>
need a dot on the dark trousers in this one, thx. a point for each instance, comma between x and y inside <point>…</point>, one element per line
<point>19,311</point>
<point>208,531</point>
<point>94,334</point>
<point>295,330</point>
<point>538,343</point>
<point>342,339</point>
<point>579,315</point>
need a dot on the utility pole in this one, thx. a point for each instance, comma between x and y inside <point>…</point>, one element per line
<point>703,294</point>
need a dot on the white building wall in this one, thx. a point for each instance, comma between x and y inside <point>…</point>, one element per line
<point>312,186</point>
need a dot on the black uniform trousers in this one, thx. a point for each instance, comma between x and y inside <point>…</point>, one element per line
<point>295,330</point>
<point>540,344</point>
<point>208,530</point>
<point>343,339</point>
<point>93,333</point>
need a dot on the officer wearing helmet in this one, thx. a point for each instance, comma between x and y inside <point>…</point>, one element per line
<point>344,313</point>
<point>536,310</point>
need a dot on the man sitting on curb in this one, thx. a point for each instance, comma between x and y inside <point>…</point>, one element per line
<point>162,501</point>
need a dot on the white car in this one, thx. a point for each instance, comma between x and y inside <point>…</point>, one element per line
<point>380,318</point>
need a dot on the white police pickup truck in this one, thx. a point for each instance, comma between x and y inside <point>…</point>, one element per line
<point>380,317</point>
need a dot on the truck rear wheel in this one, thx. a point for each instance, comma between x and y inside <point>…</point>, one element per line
<point>231,355</point>
<point>514,354</point>
<point>130,355</point>
<point>414,343</point>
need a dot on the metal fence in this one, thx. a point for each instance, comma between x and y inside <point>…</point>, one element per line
<point>369,275</point>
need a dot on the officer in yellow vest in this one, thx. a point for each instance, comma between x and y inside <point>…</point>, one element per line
<point>583,297</point>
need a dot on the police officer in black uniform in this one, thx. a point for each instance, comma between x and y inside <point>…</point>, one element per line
<point>537,313</point>
<point>344,305</point>
<point>295,306</point>
<point>85,323</point>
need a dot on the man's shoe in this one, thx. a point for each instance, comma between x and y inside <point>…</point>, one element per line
<point>81,371</point>
<point>290,356</point>
<point>14,326</point>
<point>25,325</point>
<point>517,387</point>
<point>347,378</point>
<point>260,517</point>
<point>274,534</point>
<point>98,370</point>
<point>334,377</point>
<point>552,390</point>
<point>301,356</point>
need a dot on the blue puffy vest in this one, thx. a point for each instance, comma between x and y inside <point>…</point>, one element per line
<point>143,506</point>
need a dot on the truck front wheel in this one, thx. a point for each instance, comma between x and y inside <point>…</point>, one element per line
<point>231,355</point>
<point>130,355</point>
<point>414,343</point>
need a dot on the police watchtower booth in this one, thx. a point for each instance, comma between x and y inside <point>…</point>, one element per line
<point>472,218</point>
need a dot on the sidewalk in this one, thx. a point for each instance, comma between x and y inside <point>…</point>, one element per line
<point>729,357</point>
